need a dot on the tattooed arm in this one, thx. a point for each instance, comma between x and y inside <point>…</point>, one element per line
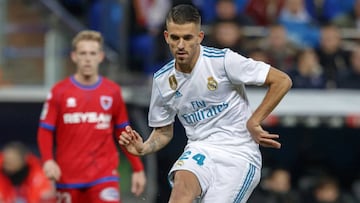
<point>133,142</point>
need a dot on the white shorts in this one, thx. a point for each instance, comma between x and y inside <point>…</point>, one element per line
<point>223,177</point>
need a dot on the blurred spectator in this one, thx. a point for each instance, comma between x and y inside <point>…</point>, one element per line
<point>308,72</point>
<point>264,12</point>
<point>259,55</point>
<point>206,8</point>
<point>281,51</point>
<point>325,11</point>
<point>351,78</point>
<point>211,10</point>
<point>228,34</point>
<point>302,28</point>
<point>227,10</point>
<point>22,179</point>
<point>327,190</point>
<point>295,11</point>
<point>150,14</point>
<point>145,33</point>
<point>107,17</point>
<point>350,19</point>
<point>276,188</point>
<point>332,56</point>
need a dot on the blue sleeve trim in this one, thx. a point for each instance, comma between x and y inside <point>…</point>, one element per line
<point>47,126</point>
<point>122,125</point>
<point>89,184</point>
<point>165,68</point>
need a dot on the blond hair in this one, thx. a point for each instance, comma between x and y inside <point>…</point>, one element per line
<point>88,35</point>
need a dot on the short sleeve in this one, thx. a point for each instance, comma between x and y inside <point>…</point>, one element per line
<point>242,70</point>
<point>49,111</point>
<point>159,113</point>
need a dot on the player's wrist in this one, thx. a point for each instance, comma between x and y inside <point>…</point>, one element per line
<point>146,149</point>
<point>138,170</point>
<point>252,123</point>
<point>46,160</point>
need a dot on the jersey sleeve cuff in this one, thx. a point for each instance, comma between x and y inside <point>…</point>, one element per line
<point>47,126</point>
<point>122,125</point>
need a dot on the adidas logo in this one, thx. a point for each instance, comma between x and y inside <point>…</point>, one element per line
<point>178,94</point>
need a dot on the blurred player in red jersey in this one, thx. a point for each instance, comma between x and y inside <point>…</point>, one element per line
<point>22,178</point>
<point>81,113</point>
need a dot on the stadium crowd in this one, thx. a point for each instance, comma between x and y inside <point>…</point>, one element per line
<point>305,38</point>
<point>281,32</point>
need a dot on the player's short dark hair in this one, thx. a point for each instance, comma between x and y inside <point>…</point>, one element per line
<point>183,13</point>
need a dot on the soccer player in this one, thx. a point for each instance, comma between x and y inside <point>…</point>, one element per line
<point>81,113</point>
<point>205,88</point>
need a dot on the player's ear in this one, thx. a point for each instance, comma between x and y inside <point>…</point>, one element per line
<point>102,55</point>
<point>166,36</point>
<point>73,56</point>
<point>201,37</point>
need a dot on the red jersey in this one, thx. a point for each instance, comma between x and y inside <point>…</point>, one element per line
<point>36,187</point>
<point>83,119</point>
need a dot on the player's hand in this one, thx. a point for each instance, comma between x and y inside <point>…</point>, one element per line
<point>138,181</point>
<point>132,141</point>
<point>262,137</point>
<point>52,170</point>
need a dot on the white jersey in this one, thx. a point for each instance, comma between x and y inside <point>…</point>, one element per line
<point>210,102</point>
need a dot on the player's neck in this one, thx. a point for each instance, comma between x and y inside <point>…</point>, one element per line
<point>185,68</point>
<point>86,79</point>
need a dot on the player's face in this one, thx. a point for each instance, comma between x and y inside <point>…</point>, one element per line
<point>87,56</point>
<point>184,42</point>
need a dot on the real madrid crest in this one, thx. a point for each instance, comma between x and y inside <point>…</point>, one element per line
<point>173,82</point>
<point>212,84</point>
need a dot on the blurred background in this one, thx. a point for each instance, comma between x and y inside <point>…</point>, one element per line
<point>315,41</point>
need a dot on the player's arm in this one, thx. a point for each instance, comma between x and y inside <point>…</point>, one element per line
<point>278,84</point>
<point>138,178</point>
<point>45,143</point>
<point>45,137</point>
<point>135,161</point>
<point>159,137</point>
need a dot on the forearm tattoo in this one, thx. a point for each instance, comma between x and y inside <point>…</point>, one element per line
<point>154,144</point>
<point>161,137</point>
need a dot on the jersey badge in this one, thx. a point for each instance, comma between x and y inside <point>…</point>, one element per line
<point>212,84</point>
<point>106,102</point>
<point>71,102</point>
<point>173,82</point>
